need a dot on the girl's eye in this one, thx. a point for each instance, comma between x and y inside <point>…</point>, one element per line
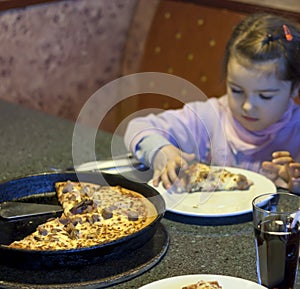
<point>265,97</point>
<point>236,90</point>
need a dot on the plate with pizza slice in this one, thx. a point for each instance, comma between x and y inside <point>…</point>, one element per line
<point>203,281</point>
<point>214,192</point>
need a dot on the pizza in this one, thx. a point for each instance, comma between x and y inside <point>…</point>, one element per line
<point>199,177</point>
<point>92,215</point>
<point>204,285</point>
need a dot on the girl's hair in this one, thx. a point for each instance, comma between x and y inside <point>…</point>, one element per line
<point>264,37</point>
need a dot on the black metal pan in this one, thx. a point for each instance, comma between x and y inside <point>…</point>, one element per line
<point>40,189</point>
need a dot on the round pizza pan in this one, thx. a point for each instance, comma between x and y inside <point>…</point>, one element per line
<point>40,186</point>
<point>115,270</point>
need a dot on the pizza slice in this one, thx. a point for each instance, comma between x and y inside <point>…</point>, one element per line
<point>199,177</point>
<point>63,233</point>
<point>92,215</point>
<point>204,285</point>
<point>107,201</point>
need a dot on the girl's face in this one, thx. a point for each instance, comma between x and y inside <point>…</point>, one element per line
<point>257,98</point>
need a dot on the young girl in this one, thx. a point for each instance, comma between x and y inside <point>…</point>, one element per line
<point>256,117</point>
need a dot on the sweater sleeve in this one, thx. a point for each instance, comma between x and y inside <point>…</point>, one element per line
<point>188,129</point>
<point>147,148</point>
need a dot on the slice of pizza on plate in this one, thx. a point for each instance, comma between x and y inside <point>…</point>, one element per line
<point>199,177</point>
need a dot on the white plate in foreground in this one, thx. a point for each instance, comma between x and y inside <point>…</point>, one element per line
<point>221,203</point>
<point>227,282</point>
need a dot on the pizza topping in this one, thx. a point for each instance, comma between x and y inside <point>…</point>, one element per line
<point>64,221</point>
<point>87,191</point>
<point>69,227</point>
<point>95,218</point>
<point>68,187</point>
<point>132,216</point>
<point>74,234</point>
<point>107,213</point>
<point>42,231</point>
<point>82,207</point>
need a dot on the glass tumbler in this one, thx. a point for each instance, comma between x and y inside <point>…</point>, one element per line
<point>276,228</point>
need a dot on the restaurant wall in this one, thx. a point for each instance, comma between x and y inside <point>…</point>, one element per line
<point>54,56</point>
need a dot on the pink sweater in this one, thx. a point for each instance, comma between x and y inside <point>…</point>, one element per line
<point>209,130</point>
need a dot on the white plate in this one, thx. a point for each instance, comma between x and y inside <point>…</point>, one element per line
<point>218,204</point>
<point>227,282</point>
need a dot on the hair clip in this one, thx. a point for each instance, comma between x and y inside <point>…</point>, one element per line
<point>287,33</point>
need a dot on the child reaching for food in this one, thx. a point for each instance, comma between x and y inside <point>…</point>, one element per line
<point>283,168</point>
<point>258,123</point>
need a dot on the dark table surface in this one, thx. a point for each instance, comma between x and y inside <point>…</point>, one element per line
<point>33,142</point>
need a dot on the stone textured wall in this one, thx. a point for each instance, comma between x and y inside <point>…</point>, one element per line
<point>54,56</point>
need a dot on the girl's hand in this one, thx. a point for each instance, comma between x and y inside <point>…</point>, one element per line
<point>166,164</point>
<point>284,167</point>
<point>294,177</point>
